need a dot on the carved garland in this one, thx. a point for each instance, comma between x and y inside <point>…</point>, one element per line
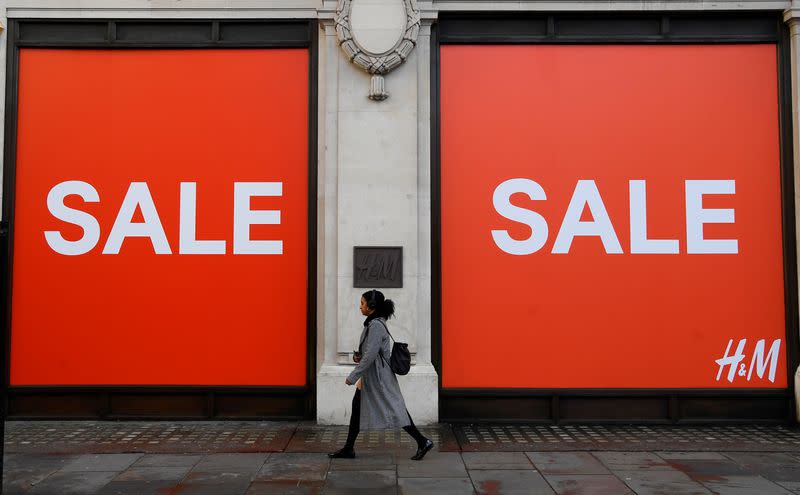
<point>377,64</point>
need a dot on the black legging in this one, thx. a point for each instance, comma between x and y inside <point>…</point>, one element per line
<point>355,425</point>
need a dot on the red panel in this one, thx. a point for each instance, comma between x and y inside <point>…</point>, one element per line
<point>610,114</point>
<point>111,118</point>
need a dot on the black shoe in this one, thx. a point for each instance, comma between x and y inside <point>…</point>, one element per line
<point>421,451</point>
<point>343,453</point>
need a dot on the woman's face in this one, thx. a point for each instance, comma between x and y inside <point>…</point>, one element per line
<point>365,309</point>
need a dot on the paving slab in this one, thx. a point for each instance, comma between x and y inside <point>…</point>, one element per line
<point>496,460</point>
<point>151,487</point>
<point>153,473</point>
<point>73,483</point>
<point>231,462</point>
<point>98,462</point>
<point>24,471</point>
<point>434,486</point>
<point>792,486</point>
<point>361,482</point>
<point>509,482</point>
<point>286,487</point>
<point>588,484</point>
<point>716,438</point>
<point>168,460</point>
<point>81,437</point>
<point>691,456</point>
<point>745,485</point>
<point>218,478</point>
<point>310,437</point>
<point>661,482</point>
<point>371,461</point>
<point>294,466</point>
<point>567,463</point>
<point>626,461</point>
<point>771,465</point>
<point>209,489</point>
<point>709,470</point>
<point>434,465</point>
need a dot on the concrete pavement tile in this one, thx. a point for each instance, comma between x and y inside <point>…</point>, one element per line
<point>101,462</point>
<point>24,471</point>
<point>588,484</point>
<point>213,489</point>
<point>771,465</point>
<point>217,477</point>
<point>691,456</point>
<point>745,485</point>
<point>168,460</point>
<point>73,482</point>
<point>510,482</point>
<point>13,462</point>
<point>434,486</point>
<point>151,487</point>
<point>792,486</point>
<point>496,460</point>
<point>286,487</point>
<point>434,465</point>
<point>625,461</point>
<point>361,482</point>
<point>294,466</point>
<point>567,463</point>
<point>231,462</point>
<point>153,473</point>
<point>661,482</point>
<point>702,470</point>
<point>366,462</point>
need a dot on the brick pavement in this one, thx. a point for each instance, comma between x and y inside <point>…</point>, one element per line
<point>383,467</point>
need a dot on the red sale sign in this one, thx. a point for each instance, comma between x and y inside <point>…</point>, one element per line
<point>611,217</point>
<point>160,224</point>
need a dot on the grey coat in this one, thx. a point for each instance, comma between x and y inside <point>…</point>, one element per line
<point>382,404</point>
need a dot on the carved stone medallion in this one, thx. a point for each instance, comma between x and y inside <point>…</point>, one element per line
<point>378,36</point>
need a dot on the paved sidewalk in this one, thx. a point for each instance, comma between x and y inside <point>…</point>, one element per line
<point>62,458</point>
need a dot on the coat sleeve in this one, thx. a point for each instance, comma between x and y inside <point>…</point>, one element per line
<point>369,351</point>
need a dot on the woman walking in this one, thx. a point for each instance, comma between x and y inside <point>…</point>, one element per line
<point>378,402</point>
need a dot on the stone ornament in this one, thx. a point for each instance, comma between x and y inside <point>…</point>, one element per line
<point>367,47</point>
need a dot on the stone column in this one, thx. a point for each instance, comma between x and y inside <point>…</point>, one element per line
<point>375,164</point>
<point>793,18</point>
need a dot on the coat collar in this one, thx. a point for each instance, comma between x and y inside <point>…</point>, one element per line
<point>370,318</point>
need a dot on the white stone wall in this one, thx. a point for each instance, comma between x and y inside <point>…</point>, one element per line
<point>374,164</point>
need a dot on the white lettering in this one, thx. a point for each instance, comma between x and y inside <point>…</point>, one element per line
<point>537,223</point>
<point>138,195</point>
<point>187,241</point>
<point>696,216</point>
<point>732,361</point>
<point>760,361</point>
<point>244,217</point>
<point>640,244</point>
<point>91,229</point>
<point>586,194</point>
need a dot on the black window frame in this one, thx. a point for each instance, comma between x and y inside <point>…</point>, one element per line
<point>609,406</point>
<point>157,402</point>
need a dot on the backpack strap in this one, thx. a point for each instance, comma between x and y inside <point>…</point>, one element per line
<point>366,334</point>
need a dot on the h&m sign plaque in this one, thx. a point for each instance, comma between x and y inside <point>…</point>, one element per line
<point>378,267</point>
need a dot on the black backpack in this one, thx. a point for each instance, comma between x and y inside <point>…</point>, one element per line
<point>400,360</point>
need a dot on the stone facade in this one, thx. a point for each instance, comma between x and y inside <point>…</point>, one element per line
<point>361,140</point>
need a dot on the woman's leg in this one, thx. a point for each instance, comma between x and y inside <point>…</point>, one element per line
<point>414,432</point>
<point>348,451</point>
<point>355,422</point>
